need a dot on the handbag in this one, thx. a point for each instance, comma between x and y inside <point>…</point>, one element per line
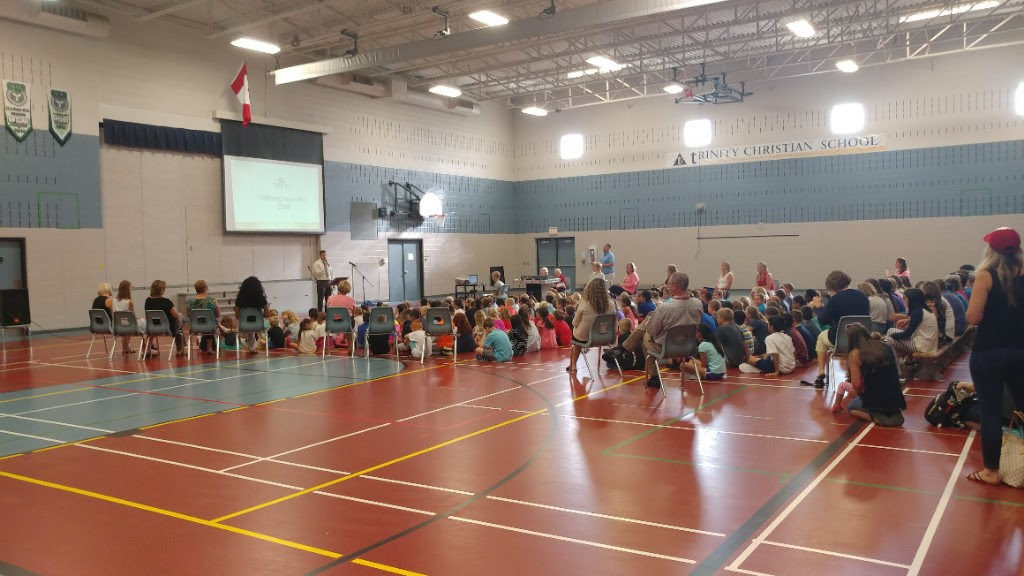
<point>1011,457</point>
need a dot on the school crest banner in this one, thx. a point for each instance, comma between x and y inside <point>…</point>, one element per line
<point>60,115</point>
<point>17,109</point>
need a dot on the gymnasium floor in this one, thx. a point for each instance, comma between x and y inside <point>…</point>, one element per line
<point>298,466</point>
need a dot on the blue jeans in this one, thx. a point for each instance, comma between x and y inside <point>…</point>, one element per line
<point>991,370</point>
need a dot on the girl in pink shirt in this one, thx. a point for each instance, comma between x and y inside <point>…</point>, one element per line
<point>546,327</point>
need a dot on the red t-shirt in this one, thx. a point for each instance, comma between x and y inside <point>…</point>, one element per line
<point>563,333</point>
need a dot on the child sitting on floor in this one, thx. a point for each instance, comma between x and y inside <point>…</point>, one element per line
<point>307,338</point>
<point>779,357</point>
<point>495,347</point>
<point>711,364</point>
<point>228,333</point>
<point>546,328</point>
<point>563,331</point>
<point>627,359</point>
<point>361,330</point>
<point>415,341</point>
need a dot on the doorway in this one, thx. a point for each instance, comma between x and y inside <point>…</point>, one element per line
<point>558,253</point>
<point>405,270</point>
<point>12,264</point>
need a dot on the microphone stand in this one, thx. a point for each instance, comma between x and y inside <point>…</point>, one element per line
<point>355,270</point>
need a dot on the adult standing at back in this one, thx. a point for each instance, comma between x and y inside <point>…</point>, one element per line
<point>322,273</point>
<point>608,264</point>
<point>764,278</point>
<point>997,358</point>
<point>845,301</point>
<point>725,280</point>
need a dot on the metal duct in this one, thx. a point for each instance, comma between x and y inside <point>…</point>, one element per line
<point>56,17</point>
<point>397,90</point>
<point>596,14</point>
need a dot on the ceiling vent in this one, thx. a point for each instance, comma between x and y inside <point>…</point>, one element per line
<point>56,16</point>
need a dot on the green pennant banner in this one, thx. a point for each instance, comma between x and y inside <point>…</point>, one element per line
<point>60,115</point>
<point>17,109</point>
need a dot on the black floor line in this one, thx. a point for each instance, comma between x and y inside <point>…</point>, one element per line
<point>470,500</point>
<point>742,536</point>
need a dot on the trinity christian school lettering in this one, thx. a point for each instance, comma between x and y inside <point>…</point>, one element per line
<point>752,152</point>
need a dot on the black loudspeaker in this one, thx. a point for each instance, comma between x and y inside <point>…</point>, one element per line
<point>14,308</point>
<point>500,270</point>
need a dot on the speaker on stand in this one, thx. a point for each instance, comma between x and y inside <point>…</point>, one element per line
<point>15,313</point>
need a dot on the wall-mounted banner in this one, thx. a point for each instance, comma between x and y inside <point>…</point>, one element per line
<point>60,115</point>
<point>17,109</point>
<point>776,151</point>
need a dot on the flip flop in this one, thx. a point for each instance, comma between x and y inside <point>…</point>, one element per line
<point>976,476</point>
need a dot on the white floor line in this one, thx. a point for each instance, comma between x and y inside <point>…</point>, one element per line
<point>607,517</point>
<point>43,438</point>
<point>485,396</point>
<point>695,428</point>
<point>574,540</point>
<point>836,554</point>
<point>953,454</point>
<point>308,446</point>
<point>37,363</point>
<point>482,407</point>
<point>744,571</point>
<point>800,498</point>
<point>933,526</point>
<point>69,425</point>
<point>418,485</point>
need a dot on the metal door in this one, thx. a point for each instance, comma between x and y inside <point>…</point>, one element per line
<point>567,260</point>
<point>12,263</point>
<point>405,270</point>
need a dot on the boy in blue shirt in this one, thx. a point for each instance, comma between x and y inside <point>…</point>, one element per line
<point>496,346</point>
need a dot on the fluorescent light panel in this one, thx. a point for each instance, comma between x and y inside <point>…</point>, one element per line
<point>449,91</point>
<point>535,111</point>
<point>801,28</point>
<point>489,18</point>
<point>257,45</point>
<point>571,146</point>
<point>848,66</point>
<point>605,64</point>
<point>951,11</point>
<point>697,133</point>
<point>847,118</point>
<point>673,88</point>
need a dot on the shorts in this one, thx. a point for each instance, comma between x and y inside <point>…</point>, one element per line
<point>714,376</point>
<point>765,365</point>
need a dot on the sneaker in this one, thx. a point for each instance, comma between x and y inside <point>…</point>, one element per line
<point>748,369</point>
<point>820,382</point>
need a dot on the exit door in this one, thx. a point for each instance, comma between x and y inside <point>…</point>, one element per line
<point>405,270</point>
<point>558,253</point>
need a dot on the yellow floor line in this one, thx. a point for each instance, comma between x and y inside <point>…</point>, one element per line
<point>202,522</point>
<point>407,456</point>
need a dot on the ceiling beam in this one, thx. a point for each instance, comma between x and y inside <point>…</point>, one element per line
<point>169,10</point>
<point>560,23</point>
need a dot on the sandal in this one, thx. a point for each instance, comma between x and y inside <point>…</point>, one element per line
<point>976,476</point>
<point>570,369</point>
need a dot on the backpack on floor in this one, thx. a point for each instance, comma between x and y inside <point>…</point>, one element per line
<point>953,407</point>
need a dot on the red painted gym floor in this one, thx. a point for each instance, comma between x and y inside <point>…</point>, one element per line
<point>479,469</point>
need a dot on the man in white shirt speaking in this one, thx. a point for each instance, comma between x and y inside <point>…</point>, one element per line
<point>322,273</point>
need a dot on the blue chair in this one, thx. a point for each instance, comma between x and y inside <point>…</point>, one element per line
<point>680,342</point>
<point>203,322</point>
<point>250,321</point>
<point>437,322</point>
<point>124,324</point>
<point>602,333</point>
<point>99,324</point>
<point>382,322</point>
<point>339,321</point>
<point>157,324</point>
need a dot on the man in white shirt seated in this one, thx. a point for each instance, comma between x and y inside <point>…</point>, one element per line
<point>681,310</point>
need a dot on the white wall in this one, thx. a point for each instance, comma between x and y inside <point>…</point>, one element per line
<point>958,99</point>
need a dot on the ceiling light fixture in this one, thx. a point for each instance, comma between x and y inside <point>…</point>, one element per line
<point>801,28</point>
<point>605,64</point>
<point>257,45</point>
<point>578,73</point>
<point>847,118</point>
<point>848,66</point>
<point>951,11</point>
<point>489,18</point>
<point>448,91</point>
<point>535,111</point>
<point>571,146</point>
<point>674,88</point>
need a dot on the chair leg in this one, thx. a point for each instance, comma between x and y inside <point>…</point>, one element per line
<point>89,351</point>
<point>352,346</point>
<point>323,352</point>
<point>455,351</point>
<point>699,383</point>
<point>583,353</point>
<point>657,373</point>
<point>188,347</point>
<point>216,340</point>
<point>619,366</point>
<point>144,347</point>
<point>113,346</point>
<point>423,349</point>
<point>266,349</point>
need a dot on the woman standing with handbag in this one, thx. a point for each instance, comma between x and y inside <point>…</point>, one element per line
<point>997,358</point>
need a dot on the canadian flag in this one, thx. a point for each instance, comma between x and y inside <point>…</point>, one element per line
<point>240,86</point>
